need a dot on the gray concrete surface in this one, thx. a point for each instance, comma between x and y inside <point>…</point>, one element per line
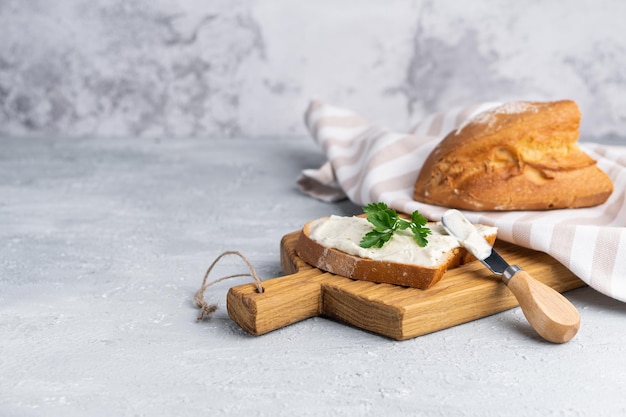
<point>103,243</point>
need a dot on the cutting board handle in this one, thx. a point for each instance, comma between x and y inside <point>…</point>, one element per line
<point>284,301</point>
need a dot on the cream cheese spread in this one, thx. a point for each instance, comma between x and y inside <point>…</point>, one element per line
<point>467,233</point>
<point>345,233</point>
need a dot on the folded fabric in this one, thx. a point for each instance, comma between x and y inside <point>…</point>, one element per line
<point>368,163</point>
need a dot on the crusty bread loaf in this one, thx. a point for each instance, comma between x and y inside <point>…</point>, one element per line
<point>519,156</point>
<point>380,271</point>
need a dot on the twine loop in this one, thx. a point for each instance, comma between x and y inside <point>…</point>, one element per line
<point>206,310</point>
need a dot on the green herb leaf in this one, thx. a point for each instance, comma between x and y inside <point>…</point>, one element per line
<point>418,219</point>
<point>375,239</point>
<point>386,222</point>
<point>403,224</point>
<point>374,207</point>
<point>419,235</point>
<point>382,220</point>
<point>419,229</point>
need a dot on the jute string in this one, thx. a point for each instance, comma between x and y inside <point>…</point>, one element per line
<point>206,310</point>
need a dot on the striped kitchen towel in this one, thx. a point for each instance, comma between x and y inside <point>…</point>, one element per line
<point>367,163</point>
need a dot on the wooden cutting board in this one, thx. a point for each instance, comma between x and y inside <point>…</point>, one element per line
<point>466,293</point>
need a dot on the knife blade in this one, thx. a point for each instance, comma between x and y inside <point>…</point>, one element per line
<point>551,315</point>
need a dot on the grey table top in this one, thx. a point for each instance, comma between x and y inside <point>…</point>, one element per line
<point>105,241</point>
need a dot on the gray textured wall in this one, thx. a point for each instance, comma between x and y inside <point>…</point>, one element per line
<point>229,68</point>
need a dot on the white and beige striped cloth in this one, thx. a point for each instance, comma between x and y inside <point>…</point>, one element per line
<point>367,163</point>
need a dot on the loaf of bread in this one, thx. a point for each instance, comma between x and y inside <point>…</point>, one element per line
<point>519,156</point>
<point>418,268</point>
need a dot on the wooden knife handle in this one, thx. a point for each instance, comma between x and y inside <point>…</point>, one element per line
<point>547,311</point>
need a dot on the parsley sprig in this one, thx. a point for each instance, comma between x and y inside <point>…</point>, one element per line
<point>386,221</point>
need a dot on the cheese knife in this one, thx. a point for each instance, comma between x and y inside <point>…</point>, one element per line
<point>551,315</point>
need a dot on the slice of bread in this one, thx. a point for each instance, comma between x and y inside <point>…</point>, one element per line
<point>382,270</point>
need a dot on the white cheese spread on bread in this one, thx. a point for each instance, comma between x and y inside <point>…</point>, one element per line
<point>345,233</point>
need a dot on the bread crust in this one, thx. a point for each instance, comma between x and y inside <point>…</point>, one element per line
<point>355,267</point>
<point>519,156</point>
